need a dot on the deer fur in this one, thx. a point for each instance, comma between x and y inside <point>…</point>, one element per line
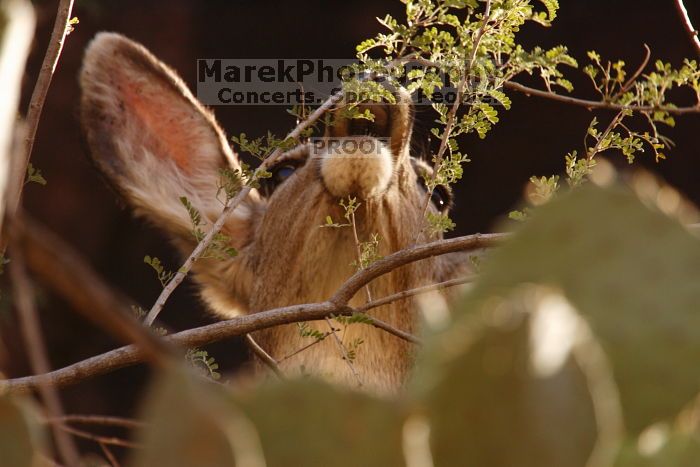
<point>155,143</point>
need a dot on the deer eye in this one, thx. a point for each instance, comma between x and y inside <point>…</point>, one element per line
<point>441,198</point>
<point>282,173</point>
<point>279,173</point>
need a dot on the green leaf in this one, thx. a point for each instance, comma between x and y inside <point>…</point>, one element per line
<point>485,385</point>
<point>633,275</point>
<point>552,8</point>
<point>190,422</point>
<point>308,423</point>
<point>34,175</point>
<point>21,438</point>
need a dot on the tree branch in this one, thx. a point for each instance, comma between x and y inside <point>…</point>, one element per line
<point>61,29</point>
<point>413,292</point>
<point>265,357</point>
<point>241,325</point>
<point>688,25</point>
<point>38,356</point>
<point>410,255</point>
<point>15,43</point>
<point>103,420</point>
<point>590,105</point>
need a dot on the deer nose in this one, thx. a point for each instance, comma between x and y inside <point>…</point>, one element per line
<point>355,155</point>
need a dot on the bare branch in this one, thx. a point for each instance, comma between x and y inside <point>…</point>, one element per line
<point>417,291</point>
<point>384,326</point>
<point>410,255</point>
<point>108,454</point>
<point>38,357</point>
<point>15,43</point>
<point>241,325</point>
<point>110,440</point>
<point>265,357</point>
<point>630,82</point>
<point>688,25</point>
<point>597,104</point>
<point>61,29</point>
<point>99,420</point>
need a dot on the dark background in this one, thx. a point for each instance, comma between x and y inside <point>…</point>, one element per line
<point>531,139</point>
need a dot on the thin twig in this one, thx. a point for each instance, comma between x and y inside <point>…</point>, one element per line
<point>417,291</point>
<point>410,255</point>
<point>232,204</point>
<point>110,440</point>
<point>688,25</point>
<point>61,29</point>
<point>265,357</point>
<point>343,352</point>
<point>637,74</point>
<point>38,357</point>
<point>18,31</point>
<point>108,454</point>
<point>402,295</point>
<point>336,306</point>
<point>99,420</point>
<point>358,250</point>
<point>384,326</point>
<point>598,104</point>
<point>301,349</point>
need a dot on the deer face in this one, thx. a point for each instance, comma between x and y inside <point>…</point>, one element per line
<point>156,143</point>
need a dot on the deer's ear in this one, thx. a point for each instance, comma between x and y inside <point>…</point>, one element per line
<point>152,138</point>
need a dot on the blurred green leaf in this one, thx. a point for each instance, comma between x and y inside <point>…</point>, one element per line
<point>309,423</point>
<point>670,449</point>
<point>489,404</point>
<point>633,273</point>
<point>21,439</point>
<point>193,423</point>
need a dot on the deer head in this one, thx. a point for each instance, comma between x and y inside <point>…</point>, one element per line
<point>156,143</point>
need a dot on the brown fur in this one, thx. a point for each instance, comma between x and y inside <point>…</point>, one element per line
<point>155,142</point>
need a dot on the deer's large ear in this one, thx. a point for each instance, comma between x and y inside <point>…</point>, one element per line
<point>153,139</point>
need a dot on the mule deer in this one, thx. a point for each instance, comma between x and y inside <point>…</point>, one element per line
<point>155,143</point>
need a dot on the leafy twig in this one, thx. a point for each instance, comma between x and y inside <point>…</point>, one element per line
<point>598,104</point>
<point>343,352</point>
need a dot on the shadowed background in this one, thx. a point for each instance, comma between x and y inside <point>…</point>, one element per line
<point>531,139</point>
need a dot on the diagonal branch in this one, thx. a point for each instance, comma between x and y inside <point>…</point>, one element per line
<point>61,29</point>
<point>38,356</point>
<point>265,357</point>
<point>688,25</point>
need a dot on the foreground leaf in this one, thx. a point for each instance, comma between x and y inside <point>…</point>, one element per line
<point>309,423</point>
<point>193,423</point>
<point>21,439</point>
